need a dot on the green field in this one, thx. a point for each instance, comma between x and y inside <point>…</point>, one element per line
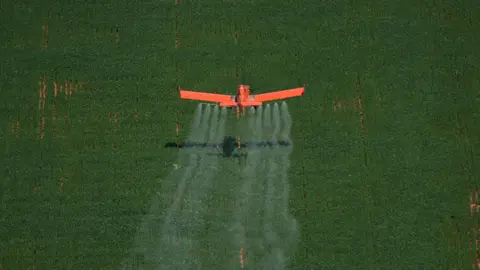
<point>384,186</point>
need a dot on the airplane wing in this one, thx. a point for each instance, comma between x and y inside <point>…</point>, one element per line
<point>209,97</point>
<point>283,94</point>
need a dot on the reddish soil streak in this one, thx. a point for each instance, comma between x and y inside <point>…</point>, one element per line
<point>242,259</point>
<point>44,90</point>
<point>473,202</point>
<point>362,118</point>
<point>176,40</point>
<point>43,128</point>
<point>44,40</point>
<point>115,119</point>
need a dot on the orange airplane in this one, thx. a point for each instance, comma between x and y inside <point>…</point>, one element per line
<point>243,98</point>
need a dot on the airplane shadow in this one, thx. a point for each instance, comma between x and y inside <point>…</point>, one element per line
<point>229,146</point>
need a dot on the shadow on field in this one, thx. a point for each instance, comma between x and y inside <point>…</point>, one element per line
<point>230,146</point>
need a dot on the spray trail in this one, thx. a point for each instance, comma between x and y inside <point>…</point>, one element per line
<point>239,228</point>
<point>267,123</point>
<point>266,234</point>
<point>166,239</point>
<point>149,230</point>
<point>258,124</point>
<point>276,123</point>
<point>287,123</point>
<point>194,132</point>
<point>176,245</point>
<point>280,228</point>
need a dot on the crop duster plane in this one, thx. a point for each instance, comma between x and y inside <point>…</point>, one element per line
<point>243,98</point>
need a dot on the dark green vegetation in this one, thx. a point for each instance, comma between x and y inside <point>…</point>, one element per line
<point>374,202</point>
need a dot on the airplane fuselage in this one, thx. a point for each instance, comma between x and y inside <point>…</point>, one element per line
<point>243,96</point>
